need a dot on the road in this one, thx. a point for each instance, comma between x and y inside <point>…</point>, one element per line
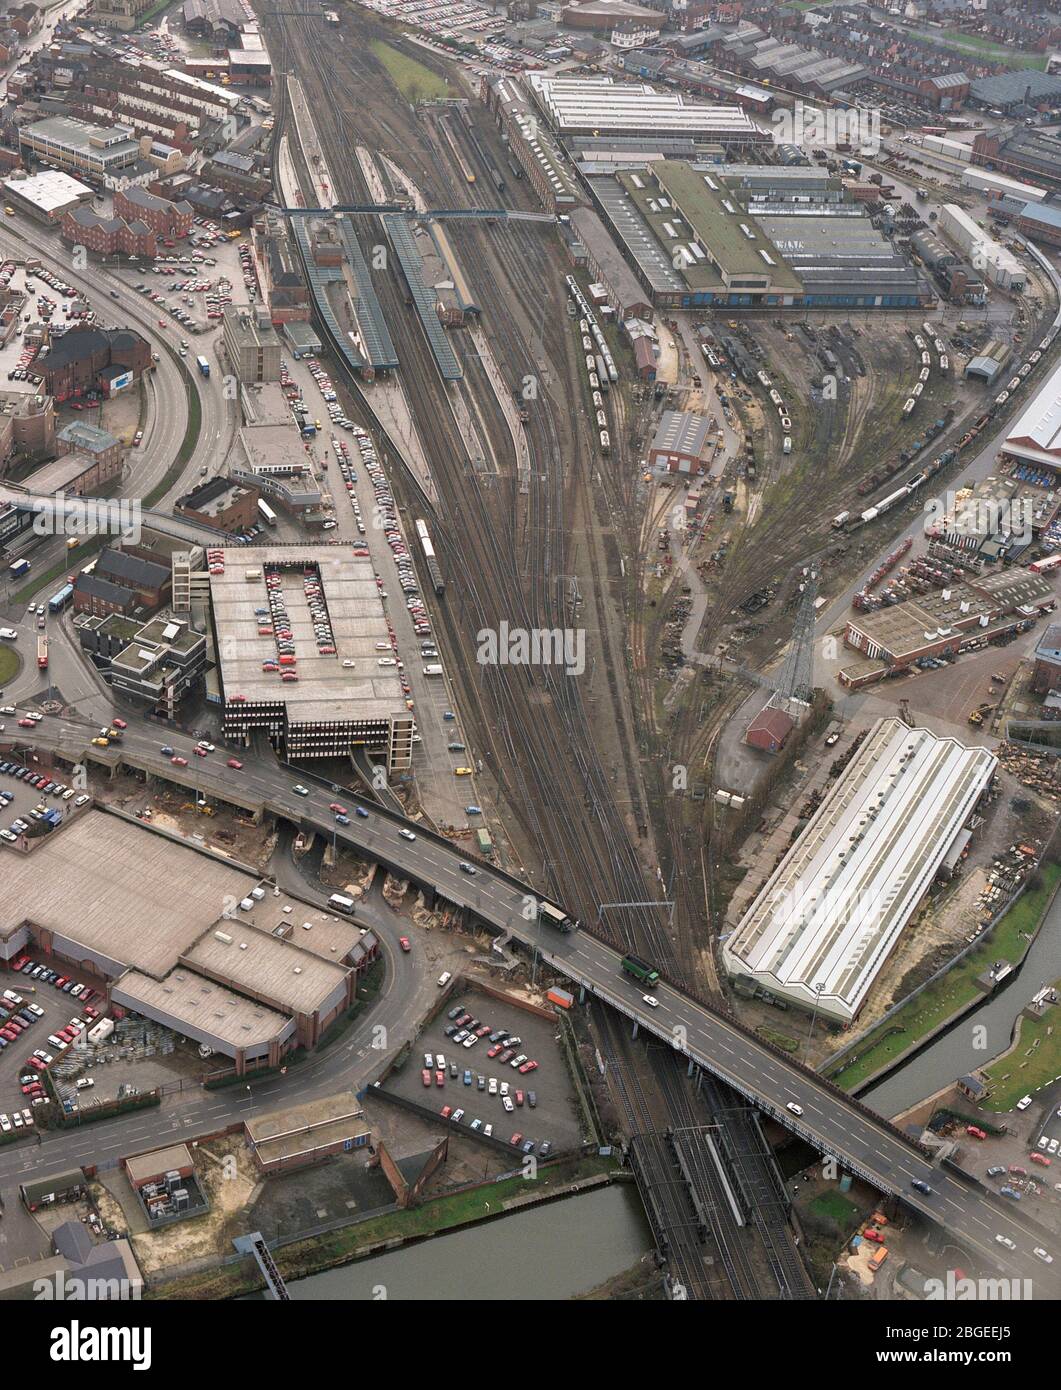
<point>863,1142</point>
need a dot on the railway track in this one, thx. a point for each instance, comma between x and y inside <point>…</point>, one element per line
<point>522,715</point>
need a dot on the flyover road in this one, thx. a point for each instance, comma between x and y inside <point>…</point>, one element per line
<point>862,1142</point>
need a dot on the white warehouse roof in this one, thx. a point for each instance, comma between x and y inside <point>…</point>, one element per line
<point>1036,433</point>
<point>832,911</point>
<point>603,107</point>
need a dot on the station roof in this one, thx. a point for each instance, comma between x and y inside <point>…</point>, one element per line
<point>825,922</point>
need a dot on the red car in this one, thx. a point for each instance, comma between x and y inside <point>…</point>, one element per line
<point>34,1089</point>
<point>199,752</point>
<point>975,1133</point>
<point>36,1063</point>
<point>178,761</point>
<point>871,1233</point>
<point>446,1111</point>
<point>493,1051</point>
<point>516,1139</point>
<point>425,1077</point>
<point>405,943</point>
<point>91,1012</point>
<point>518,1097</point>
<point>1040,1159</point>
<point>26,724</point>
<point>1018,1171</point>
<point>62,980</point>
<point>440,1078</point>
<point>528,1066</point>
<point>8,1034</point>
<point>337,809</point>
<point>119,723</point>
<point>234,762</point>
<point>18,963</point>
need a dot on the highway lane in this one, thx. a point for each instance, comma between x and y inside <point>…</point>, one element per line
<point>863,1143</point>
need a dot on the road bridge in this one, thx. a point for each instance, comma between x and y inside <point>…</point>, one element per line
<point>840,1127</point>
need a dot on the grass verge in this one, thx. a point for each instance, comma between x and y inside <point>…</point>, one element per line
<point>415,81</point>
<point>957,988</point>
<point>1033,1062</point>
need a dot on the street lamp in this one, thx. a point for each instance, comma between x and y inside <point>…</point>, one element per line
<point>814,1014</point>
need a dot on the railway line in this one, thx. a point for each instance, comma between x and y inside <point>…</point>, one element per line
<point>524,714</point>
<point>508,555</point>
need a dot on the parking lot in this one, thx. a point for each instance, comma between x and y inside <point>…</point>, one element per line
<point>44,1012</point>
<point>31,802</point>
<point>452,1072</point>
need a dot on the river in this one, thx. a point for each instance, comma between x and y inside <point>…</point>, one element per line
<point>954,1054</point>
<point>557,1250</point>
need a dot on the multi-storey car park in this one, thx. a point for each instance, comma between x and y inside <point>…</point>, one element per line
<point>823,926</point>
<point>341,697</point>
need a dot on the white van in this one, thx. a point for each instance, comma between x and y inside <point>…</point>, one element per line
<point>444,978</point>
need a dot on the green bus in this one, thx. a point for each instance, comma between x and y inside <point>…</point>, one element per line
<point>640,970</point>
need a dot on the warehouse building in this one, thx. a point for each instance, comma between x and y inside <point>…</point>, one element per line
<point>48,196</point>
<point>99,152</point>
<point>945,622</point>
<point>1028,154</point>
<point>146,917</point>
<point>530,144</point>
<point>999,266</point>
<point>678,444</point>
<point>822,928</point>
<point>331,708</point>
<point>597,106</point>
<point>1024,89</point>
<point>1041,222</point>
<point>1036,433</point>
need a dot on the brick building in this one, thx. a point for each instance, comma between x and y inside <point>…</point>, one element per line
<point>101,446</point>
<point>220,503</point>
<point>1047,673</point>
<point>165,219</point>
<point>84,358</point>
<point>106,236</point>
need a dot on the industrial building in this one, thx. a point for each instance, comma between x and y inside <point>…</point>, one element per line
<point>1035,436</point>
<point>944,623</point>
<point>695,237</point>
<point>98,151</point>
<point>1029,154</point>
<point>341,699</point>
<point>48,196</point>
<point>531,146</point>
<point>598,106</point>
<point>999,266</point>
<point>823,926</point>
<point>679,441</point>
<point>183,938</point>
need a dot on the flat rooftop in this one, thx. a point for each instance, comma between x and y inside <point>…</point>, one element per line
<point>310,1125</point>
<point>256,960</point>
<point>202,1007</point>
<point>723,226</point>
<point>139,899</point>
<point>326,690</point>
<point>48,190</point>
<point>830,914</point>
